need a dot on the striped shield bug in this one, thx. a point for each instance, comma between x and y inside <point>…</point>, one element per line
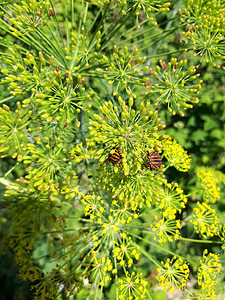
<point>115,157</point>
<point>154,160</point>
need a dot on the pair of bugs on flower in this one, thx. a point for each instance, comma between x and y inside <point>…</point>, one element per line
<point>154,160</point>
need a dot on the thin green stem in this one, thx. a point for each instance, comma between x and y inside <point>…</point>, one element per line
<point>55,24</point>
<point>155,245</point>
<point>168,53</point>
<point>6,99</point>
<point>99,23</point>
<point>67,25</point>
<point>199,241</point>
<point>72,14</point>
<point>10,170</point>
<point>114,30</point>
<point>155,262</point>
<point>194,192</point>
<point>77,46</point>
<point>149,36</point>
<point>177,5</point>
<point>154,42</point>
<point>85,13</point>
<point>58,53</point>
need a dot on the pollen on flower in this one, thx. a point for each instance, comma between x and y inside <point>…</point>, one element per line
<point>172,200</point>
<point>173,273</point>
<point>208,272</point>
<point>173,85</point>
<point>207,180</point>
<point>205,29</point>
<point>166,230</point>
<point>205,220</point>
<point>127,136</point>
<point>176,155</point>
<point>132,284</point>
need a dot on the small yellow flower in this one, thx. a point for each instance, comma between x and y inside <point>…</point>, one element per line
<point>166,230</point>
<point>172,200</point>
<point>207,180</point>
<point>205,220</point>
<point>173,273</point>
<point>207,273</point>
<point>133,284</point>
<point>176,155</point>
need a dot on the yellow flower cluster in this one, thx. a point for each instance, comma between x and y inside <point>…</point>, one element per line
<point>108,232</point>
<point>207,274</point>
<point>22,16</point>
<point>176,155</point>
<point>134,131</point>
<point>101,268</point>
<point>172,200</point>
<point>132,287</point>
<point>13,132</point>
<point>173,88</point>
<point>70,188</point>
<point>93,207</point>
<point>205,23</point>
<point>80,153</point>
<point>117,216</point>
<point>207,180</point>
<point>136,189</point>
<point>173,273</point>
<point>209,13</point>
<point>166,230</point>
<point>126,251</point>
<point>205,220</point>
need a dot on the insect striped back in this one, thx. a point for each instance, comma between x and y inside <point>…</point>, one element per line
<point>154,160</point>
<point>115,157</point>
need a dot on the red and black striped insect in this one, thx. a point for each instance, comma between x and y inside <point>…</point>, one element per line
<point>154,160</point>
<point>115,157</point>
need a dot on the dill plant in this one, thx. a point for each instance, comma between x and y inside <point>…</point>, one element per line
<point>80,80</point>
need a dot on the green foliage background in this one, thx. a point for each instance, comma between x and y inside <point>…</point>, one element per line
<point>64,63</point>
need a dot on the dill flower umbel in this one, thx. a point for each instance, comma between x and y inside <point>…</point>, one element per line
<point>13,131</point>
<point>132,286</point>
<point>172,200</point>
<point>176,155</point>
<point>124,69</point>
<point>56,93</point>
<point>28,16</point>
<point>133,131</point>
<point>173,273</point>
<point>46,159</point>
<point>209,13</point>
<point>26,72</point>
<point>205,220</point>
<point>208,274</point>
<point>173,85</point>
<point>205,29</point>
<point>144,7</point>
<point>81,153</point>
<point>137,188</point>
<point>207,180</point>
<point>126,251</point>
<point>166,229</point>
<point>206,43</point>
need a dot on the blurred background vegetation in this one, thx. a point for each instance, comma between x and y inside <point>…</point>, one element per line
<point>201,131</point>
